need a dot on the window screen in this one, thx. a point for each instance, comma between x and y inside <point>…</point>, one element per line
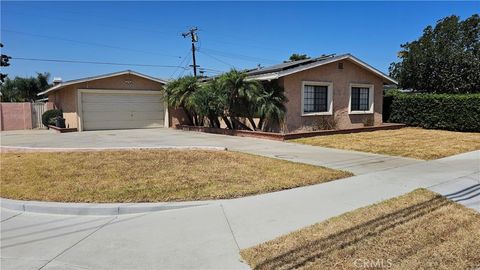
<point>315,99</point>
<point>360,99</point>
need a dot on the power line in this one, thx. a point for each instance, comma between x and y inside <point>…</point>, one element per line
<point>238,56</point>
<point>185,68</point>
<point>63,19</point>
<point>95,62</point>
<point>87,43</point>
<point>216,58</point>
<point>181,63</point>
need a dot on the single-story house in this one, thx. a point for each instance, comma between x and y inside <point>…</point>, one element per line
<point>120,100</point>
<point>340,89</point>
<point>336,89</point>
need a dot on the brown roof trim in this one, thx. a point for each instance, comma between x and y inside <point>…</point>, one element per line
<point>67,83</point>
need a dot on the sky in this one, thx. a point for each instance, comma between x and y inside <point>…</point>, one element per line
<point>231,34</point>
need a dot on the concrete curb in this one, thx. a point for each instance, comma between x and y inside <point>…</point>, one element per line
<point>103,209</point>
<point>87,149</point>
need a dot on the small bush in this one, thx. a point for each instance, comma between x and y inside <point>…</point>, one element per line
<point>326,123</point>
<point>437,111</point>
<point>48,117</point>
<point>368,121</point>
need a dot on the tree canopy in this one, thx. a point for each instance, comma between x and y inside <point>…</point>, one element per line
<point>24,89</point>
<point>296,57</point>
<point>4,62</point>
<point>231,96</point>
<point>445,59</point>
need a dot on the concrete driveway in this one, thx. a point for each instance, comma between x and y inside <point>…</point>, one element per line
<point>356,162</point>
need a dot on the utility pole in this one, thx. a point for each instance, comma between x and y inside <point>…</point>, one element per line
<point>194,37</point>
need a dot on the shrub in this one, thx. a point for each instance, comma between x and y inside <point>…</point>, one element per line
<point>48,117</point>
<point>437,111</point>
<point>326,123</point>
<point>368,121</point>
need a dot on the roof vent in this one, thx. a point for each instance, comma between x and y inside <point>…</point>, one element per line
<point>57,80</point>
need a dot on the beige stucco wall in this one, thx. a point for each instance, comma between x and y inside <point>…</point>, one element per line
<point>66,98</point>
<point>341,79</point>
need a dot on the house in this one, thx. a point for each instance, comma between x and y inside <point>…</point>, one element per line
<point>340,90</point>
<point>120,100</point>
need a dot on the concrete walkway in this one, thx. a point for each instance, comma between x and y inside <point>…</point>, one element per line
<point>356,162</point>
<point>210,236</point>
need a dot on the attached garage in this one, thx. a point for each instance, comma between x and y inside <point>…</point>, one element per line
<point>120,109</point>
<point>122,100</point>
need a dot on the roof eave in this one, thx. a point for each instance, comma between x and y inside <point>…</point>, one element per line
<point>335,59</point>
<point>264,77</point>
<point>61,85</point>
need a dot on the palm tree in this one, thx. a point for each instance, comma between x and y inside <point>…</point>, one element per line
<point>179,95</point>
<point>210,102</point>
<point>271,106</point>
<point>241,97</point>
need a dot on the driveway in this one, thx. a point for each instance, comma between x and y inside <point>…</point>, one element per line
<point>356,162</point>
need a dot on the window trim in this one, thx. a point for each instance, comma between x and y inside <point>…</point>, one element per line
<point>329,97</point>
<point>371,92</point>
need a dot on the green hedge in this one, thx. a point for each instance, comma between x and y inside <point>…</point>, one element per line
<point>437,111</point>
<point>48,117</point>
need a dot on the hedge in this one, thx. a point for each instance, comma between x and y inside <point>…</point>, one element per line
<point>457,112</point>
<point>48,117</point>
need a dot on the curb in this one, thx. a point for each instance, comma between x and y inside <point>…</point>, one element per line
<point>87,149</point>
<point>103,209</point>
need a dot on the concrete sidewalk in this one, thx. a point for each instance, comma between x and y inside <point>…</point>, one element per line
<point>210,236</point>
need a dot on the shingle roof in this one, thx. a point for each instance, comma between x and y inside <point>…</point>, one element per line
<point>287,65</point>
<point>284,69</point>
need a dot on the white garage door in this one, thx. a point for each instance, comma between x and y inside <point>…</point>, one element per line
<point>122,110</point>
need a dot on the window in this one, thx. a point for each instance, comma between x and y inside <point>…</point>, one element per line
<point>316,98</point>
<point>361,98</point>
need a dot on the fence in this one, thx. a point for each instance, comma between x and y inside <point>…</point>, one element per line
<point>22,115</point>
<point>37,110</point>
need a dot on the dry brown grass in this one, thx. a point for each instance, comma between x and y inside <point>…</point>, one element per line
<point>407,142</point>
<point>420,230</point>
<point>150,175</point>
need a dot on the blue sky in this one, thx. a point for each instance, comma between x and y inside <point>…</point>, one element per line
<point>238,34</point>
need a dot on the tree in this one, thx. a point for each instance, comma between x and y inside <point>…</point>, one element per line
<point>445,59</point>
<point>4,62</point>
<point>210,101</point>
<point>24,89</point>
<point>271,106</point>
<point>179,95</point>
<point>296,57</point>
<point>241,97</point>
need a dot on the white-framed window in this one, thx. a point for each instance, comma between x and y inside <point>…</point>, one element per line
<point>316,98</point>
<point>361,98</point>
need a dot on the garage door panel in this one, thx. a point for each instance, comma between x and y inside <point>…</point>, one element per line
<point>123,116</point>
<point>123,124</point>
<point>127,98</point>
<point>122,110</point>
<point>121,107</point>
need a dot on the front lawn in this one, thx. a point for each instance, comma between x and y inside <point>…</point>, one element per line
<point>407,142</point>
<point>150,175</point>
<point>420,230</point>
